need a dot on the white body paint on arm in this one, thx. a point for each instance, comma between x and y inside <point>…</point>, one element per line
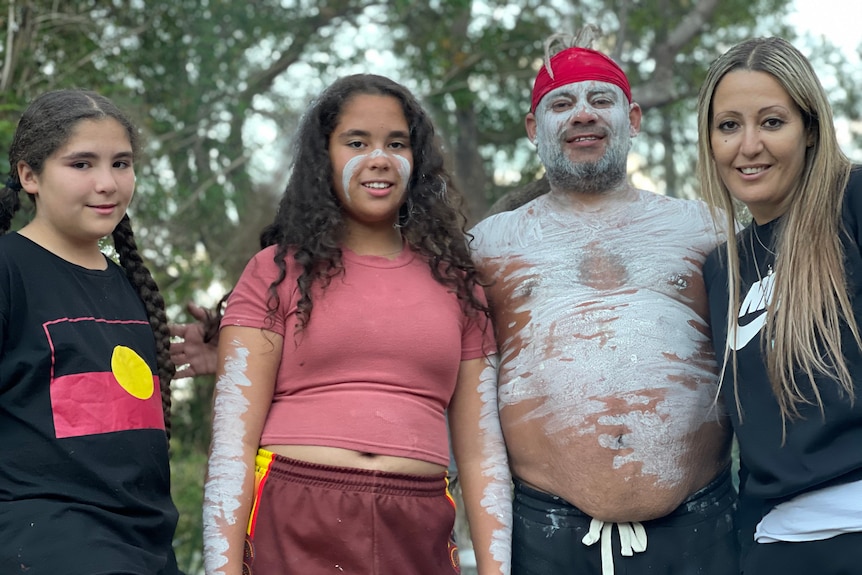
<point>227,467</point>
<point>497,495</point>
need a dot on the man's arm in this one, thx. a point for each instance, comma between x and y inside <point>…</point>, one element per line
<point>483,469</point>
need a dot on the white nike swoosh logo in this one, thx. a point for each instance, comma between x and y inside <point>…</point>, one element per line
<point>745,333</point>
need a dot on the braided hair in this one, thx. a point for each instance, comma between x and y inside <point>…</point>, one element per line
<point>45,127</point>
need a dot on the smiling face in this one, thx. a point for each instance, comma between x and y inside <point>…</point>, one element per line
<point>758,140</point>
<point>583,133</point>
<point>371,160</point>
<point>84,187</point>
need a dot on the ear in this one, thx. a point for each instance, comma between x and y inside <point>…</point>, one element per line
<point>811,138</point>
<point>635,116</point>
<point>29,179</point>
<point>530,125</point>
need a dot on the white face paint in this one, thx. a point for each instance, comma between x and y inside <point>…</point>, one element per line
<point>590,109</point>
<point>226,468</point>
<point>497,496</point>
<point>353,164</point>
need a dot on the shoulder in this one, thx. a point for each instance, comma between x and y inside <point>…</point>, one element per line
<point>683,207</point>
<point>19,253</point>
<point>853,190</point>
<point>499,219</point>
<point>6,249</point>
<point>11,241</point>
<point>266,258</point>
<point>691,218</point>
<point>852,203</point>
<point>263,268</point>
<point>508,228</point>
<point>715,262</point>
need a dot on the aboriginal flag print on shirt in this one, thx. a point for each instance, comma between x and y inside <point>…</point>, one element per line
<point>84,474</point>
<point>103,387</point>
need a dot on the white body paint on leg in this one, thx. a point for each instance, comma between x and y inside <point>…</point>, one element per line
<point>226,468</point>
<point>497,497</point>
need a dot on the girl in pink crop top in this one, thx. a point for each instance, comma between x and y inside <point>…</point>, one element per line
<point>348,339</point>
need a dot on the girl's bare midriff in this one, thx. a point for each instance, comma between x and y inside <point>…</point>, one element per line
<point>338,457</point>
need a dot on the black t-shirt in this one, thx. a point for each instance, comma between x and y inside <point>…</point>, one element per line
<point>84,476</point>
<point>817,450</point>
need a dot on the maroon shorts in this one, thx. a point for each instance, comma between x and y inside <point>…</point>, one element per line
<point>310,519</point>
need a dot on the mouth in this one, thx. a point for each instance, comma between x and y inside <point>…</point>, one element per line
<point>378,188</point>
<point>752,170</point>
<point>103,208</point>
<point>582,138</point>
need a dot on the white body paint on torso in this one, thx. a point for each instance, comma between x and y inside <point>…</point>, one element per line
<point>227,467</point>
<point>603,337</point>
<point>354,163</point>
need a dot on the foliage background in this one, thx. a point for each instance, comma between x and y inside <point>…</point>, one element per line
<point>217,87</point>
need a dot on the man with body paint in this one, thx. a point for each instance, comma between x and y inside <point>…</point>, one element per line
<point>607,379</point>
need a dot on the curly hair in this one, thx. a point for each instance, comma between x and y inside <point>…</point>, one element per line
<point>310,220</point>
<point>45,127</point>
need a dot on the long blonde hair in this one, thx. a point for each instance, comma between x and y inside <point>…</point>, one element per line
<point>805,329</point>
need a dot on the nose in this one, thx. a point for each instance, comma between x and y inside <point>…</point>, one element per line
<point>105,180</point>
<point>583,114</point>
<point>380,160</point>
<point>752,144</point>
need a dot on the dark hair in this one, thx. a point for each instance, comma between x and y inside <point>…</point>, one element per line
<point>45,127</point>
<point>310,218</point>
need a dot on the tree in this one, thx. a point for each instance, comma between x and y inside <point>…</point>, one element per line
<point>218,86</point>
<point>477,62</point>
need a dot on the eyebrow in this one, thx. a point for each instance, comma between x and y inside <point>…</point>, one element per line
<point>771,107</point>
<point>596,91</point>
<point>760,111</point>
<point>92,155</point>
<point>366,134</point>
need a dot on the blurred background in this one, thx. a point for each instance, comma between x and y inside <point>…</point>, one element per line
<point>217,87</point>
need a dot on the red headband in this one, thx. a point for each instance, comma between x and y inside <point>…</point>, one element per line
<point>578,65</point>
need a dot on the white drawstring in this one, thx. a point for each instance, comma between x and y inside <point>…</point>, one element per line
<point>633,539</point>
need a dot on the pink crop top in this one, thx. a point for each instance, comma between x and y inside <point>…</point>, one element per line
<point>377,364</point>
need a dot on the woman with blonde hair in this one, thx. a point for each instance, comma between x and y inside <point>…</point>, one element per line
<point>785,300</point>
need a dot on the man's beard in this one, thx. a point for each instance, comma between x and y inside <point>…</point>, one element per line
<point>598,177</point>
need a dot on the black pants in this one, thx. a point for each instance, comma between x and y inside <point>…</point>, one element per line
<point>698,538</point>
<point>841,555</point>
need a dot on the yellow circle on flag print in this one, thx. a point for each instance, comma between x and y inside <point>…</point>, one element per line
<point>132,372</point>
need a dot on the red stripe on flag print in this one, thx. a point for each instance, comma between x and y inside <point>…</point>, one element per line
<point>91,403</point>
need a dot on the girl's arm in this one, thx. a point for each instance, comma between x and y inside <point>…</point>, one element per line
<point>245,382</point>
<point>483,467</point>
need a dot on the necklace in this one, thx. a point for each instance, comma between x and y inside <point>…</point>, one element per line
<point>757,237</point>
<point>751,238</point>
